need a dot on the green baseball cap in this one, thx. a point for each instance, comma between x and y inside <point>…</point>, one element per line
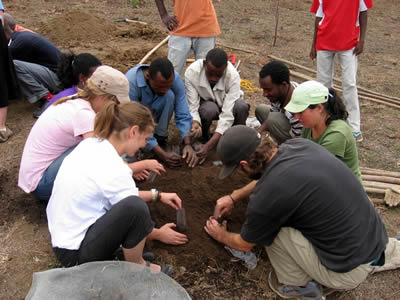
<point>236,144</point>
<point>305,94</point>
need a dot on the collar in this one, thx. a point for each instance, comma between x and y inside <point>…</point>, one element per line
<point>203,82</point>
<point>141,81</point>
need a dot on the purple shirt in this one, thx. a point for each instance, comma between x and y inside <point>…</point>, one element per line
<point>65,93</point>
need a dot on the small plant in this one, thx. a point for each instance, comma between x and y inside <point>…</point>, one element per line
<point>133,3</point>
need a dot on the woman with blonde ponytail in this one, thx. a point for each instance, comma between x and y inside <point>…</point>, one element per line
<point>63,125</point>
<point>95,206</point>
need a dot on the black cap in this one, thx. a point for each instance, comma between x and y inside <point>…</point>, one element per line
<point>236,144</point>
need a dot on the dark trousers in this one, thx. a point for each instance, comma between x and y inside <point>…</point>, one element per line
<point>127,223</point>
<point>8,78</point>
<point>209,111</point>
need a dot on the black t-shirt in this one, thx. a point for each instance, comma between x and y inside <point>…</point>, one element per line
<point>307,188</point>
<point>34,48</point>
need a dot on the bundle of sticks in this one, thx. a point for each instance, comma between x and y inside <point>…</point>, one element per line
<point>386,183</point>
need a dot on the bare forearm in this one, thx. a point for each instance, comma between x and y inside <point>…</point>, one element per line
<point>212,143</point>
<point>235,241</point>
<point>244,192</point>
<point>161,8</point>
<point>316,24</point>
<point>154,235</point>
<point>363,25</point>
<point>145,195</point>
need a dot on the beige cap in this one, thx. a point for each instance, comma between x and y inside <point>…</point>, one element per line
<point>112,82</point>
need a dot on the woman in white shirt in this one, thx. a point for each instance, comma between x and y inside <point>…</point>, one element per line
<point>95,205</point>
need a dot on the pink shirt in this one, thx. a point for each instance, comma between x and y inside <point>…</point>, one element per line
<point>59,128</point>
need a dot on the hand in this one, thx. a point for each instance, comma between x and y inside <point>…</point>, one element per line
<point>224,206</point>
<point>172,159</point>
<point>170,22</point>
<point>196,130</point>
<point>359,48</point>
<point>171,199</point>
<point>215,229</point>
<point>190,155</point>
<point>155,166</point>
<point>141,175</point>
<point>169,236</point>
<point>202,153</point>
<point>313,53</point>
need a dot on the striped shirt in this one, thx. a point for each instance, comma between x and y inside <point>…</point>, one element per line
<point>295,125</point>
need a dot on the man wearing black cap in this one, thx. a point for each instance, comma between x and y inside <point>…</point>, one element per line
<point>309,211</point>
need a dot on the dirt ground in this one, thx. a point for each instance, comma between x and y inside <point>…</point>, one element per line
<point>203,267</point>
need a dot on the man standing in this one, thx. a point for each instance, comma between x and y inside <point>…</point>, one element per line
<point>276,85</point>
<point>35,59</point>
<point>213,93</point>
<point>340,28</point>
<point>161,89</point>
<point>194,26</point>
<point>309,211</point>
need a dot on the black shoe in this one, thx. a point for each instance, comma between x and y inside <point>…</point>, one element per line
<point>37,113</point>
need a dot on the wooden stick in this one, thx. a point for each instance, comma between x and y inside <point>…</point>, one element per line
<point>382,185</point>
<point>135,21</point>
<point>386,179</point>
<point>375,190</point>
<point>237,65</point>
<point>370,171</point>
<point>378,97</point>
<point>239,49</point>
<point>276,22</point>
<point>154,49</point>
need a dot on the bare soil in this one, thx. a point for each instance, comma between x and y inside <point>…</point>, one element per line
<point>203,267</point>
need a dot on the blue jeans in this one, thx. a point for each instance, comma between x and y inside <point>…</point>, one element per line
<point>45,186</point>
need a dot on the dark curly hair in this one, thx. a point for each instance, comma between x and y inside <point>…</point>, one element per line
<point>70,66</point>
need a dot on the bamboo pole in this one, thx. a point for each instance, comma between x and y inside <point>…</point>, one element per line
<point>385,179</point>
<point>276,22</point>
<point>381,185</point>
<point>375,190</point>
<point>135,21</point>
<point>370,171</point>
<point>154,49</point>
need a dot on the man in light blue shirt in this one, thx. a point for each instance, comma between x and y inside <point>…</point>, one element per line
<point>161,89</point>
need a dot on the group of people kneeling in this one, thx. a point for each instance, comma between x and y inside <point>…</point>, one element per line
<point>306,206</point>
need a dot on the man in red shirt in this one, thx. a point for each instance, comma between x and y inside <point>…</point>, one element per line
<point>340,28</point>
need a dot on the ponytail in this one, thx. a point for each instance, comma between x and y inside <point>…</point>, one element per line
<point>113,118</point>
<point>70,66</point>
<point>335,107</point>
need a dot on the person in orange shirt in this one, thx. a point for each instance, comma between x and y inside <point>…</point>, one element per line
<point>194,26</point>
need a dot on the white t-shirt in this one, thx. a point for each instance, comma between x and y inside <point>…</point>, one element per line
<point>91,179</point>
<point>59,128</point>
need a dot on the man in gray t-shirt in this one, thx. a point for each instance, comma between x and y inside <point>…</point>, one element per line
<point>309,211</point>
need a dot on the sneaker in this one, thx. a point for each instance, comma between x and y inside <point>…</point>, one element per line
<point>358,136</point>
<point>5,134</point>
<point>38,112</point>
<point>312,291</point>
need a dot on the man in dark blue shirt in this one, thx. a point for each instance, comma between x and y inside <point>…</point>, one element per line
<point>35,59</point>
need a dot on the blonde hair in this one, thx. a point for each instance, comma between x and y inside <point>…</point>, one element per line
<point>87,93</point>
<point>262,154</point>
<point>113,118</point>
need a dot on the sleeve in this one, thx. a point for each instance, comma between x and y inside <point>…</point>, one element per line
<point>295,125</point>
<point>134,92</point>
<point>366,4</point>
<point>120,187</point>
<point>315,6</point>
<point>183,119</point>
<point>267,212</point>
<point>192,96</point>
<point>233,93</point>
<point>335,142</point>
<point>83,122</point>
